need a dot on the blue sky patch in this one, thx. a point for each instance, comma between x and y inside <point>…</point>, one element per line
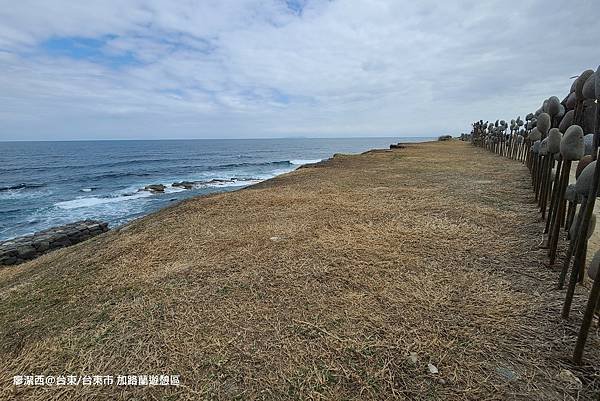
<point>296,6</point>
<point>89,49</point>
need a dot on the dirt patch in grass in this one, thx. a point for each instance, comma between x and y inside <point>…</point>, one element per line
<point>344,280</point>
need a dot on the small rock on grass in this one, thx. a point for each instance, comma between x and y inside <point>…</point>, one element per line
<point>568,377</point>
<point>507,374</point>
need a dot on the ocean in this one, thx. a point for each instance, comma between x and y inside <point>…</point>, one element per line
<point>45,184</point>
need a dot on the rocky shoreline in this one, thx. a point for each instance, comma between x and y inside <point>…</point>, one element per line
<point>160,188</point>
<point>22,249</point>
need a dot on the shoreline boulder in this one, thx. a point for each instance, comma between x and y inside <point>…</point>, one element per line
<point>28,247</point>
<point>183,184</point>
<point>155,188</point>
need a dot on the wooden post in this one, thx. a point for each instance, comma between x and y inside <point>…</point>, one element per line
<point>553,199</point>
<point>538,177</point>
<point>580,247</point>
<point>542,180</point>
<point>570,214</point>
<point>553,240</point>
<point>592,303</point>
<point>587,320</point>
<point>562,216</point>
<point>535,160</point>
<point>567,261</point>
<point>547,184</point>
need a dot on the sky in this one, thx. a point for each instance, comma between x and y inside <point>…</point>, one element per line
<point>154,69</point>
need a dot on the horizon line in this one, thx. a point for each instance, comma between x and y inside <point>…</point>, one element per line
<point>212,139</point>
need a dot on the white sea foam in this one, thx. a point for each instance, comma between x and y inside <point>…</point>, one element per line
<point>169,189</point>
<point>21,194</point>
<point>93,201</point>
<point>274,173</point>
<point>301,162</point>
<point>240,183</point>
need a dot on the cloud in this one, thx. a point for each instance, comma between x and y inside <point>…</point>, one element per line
<point>252,68</point>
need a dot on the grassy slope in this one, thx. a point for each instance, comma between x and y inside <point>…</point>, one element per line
<point>317,284</point>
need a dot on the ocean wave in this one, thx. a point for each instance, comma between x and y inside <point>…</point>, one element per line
<point>301,162</point>
<point>248,173</point>
<point>217,182</point>
<point>21,186</point>
<point>278,163</point>
<point>10,211</point>
<point>135,162</point>
<point>93,201</point>
<point>141,161</point>
<point>117,175</point>
<point>234,183</point>
<point>249,164</point>
<point>129,162</point>
<point>134,193</point>
<point>148,173</point>
<point>218,167</point>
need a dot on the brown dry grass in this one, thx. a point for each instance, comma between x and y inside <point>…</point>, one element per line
<point>315,285</point>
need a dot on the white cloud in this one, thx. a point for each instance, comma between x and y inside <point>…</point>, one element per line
<point>162,69</point>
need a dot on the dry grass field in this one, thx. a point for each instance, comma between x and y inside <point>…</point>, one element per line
<point>343,280</point>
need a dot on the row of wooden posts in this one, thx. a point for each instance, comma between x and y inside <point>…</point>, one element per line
<point>548,142</point>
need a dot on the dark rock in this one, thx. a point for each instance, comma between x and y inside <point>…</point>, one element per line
<point>42,246</point>
<point>589,115</point>
<point>219,181</point>
<point>18,250</point>
<point>580,82</point>
<point>9,251</point>
<point>571,101</point>
<point>589,87</point>
<point>566,121</point>
<point>77,237</point>
<point>587,159</point>
<point>26,252</point>
<point>8,260</point>
<point>63,243</point>
<point>155,188</point>
<point>184,184</point>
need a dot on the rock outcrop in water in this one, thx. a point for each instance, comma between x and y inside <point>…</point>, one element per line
<point>29,247</point>
<point>155,188</point>
<point>183,184</point>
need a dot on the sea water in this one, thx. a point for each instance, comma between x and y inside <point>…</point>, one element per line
<point>45,184</point>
